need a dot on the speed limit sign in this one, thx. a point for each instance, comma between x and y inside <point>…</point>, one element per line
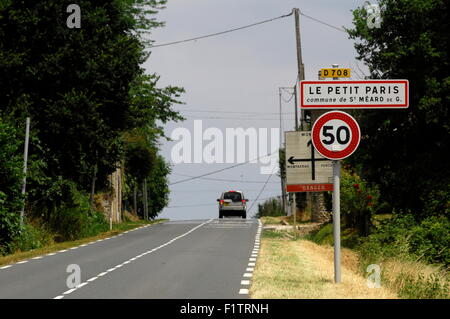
<point>336,135</point>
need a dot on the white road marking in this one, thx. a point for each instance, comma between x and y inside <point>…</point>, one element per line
<point>248,275</point>
<point>136,257</point>
<point>251,269</point>
<point>22,262</point>
<point>51,254</point>
<point>92,279</point>
<point>245,282</point>
<point>251,264</point>
<point>69,291</point>
<point>243,291</point>
<point>252,259</point>
<point>38,257</point>
<point>4,267</point>
<point>59,297</point>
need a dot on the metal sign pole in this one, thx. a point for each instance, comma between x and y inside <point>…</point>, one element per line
<point>337,220</point>
<point>25,161</point>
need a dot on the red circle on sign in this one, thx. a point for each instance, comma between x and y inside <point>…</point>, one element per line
<point>354,128</point>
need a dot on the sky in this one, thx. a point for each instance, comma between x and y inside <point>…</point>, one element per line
<point>232,81</point>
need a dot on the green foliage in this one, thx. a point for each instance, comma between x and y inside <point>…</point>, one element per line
<point>11,164</point>
<point>84,90</point>
<point>271,207</point>
<point>76,219</point>
<point>324,236</point>
<point>359,201</point>
<point>433,287</point>
<point>405,151</point>
<point>403,237</point>
<point>158,187</point>
<point>31,237</point>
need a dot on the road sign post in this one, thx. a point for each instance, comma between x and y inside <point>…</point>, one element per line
<point>336,135</point>
<point>337,220</point>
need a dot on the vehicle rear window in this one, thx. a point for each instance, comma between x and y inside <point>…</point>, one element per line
<point>235,197</point>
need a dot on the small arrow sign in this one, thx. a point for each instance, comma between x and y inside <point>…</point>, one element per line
<point>313,160</point>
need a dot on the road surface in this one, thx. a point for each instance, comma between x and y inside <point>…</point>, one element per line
<point>181,259</point>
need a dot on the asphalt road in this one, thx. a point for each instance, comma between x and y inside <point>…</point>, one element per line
<point>181,259</point>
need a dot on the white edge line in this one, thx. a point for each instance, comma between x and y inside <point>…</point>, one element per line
<point>243,291</point>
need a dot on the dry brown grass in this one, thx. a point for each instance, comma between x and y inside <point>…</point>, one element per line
<point>302,270</point>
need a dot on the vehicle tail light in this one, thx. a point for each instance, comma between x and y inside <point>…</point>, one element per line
<point>221,202</point>
<point>243,201</point>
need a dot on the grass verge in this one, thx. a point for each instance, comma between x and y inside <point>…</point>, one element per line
<point>401,272</point>
<point>301,269</point>
<point>117,229</point>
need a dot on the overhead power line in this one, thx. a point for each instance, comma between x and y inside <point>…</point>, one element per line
<point>227,180</point>
<point>323,22</point>
<point>260,192</point>
<point>220,33</point>
<point>245,27</point>
<point>220,170</point>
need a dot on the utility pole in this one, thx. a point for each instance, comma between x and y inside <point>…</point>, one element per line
<point>25,161</point>
<point>283,179</point>
<point>300,66</point>
<point>145,200</point>
<point>296,107</point>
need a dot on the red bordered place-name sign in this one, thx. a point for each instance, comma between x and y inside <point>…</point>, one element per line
<point>367,94</point>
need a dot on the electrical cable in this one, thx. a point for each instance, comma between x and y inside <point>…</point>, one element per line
<point>220,170</point>
<point>324,23</point>
<point>262,189</point>
<point>225,180</point>
<point>222,32</point>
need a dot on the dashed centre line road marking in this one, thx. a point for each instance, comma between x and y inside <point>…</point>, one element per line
<point>72,248</point>
<point>131,259</point>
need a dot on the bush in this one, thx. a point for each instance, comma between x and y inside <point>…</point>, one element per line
<point>33,236</point>
<point>359,201</point>
<point>271,207</point>
<point>433,287</point>
<point>11,164</point>
<point>402,236</point>
<point>75,218</point>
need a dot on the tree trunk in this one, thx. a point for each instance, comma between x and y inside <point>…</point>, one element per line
<point>94,178</point>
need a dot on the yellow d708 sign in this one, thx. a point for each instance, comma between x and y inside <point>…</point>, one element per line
<point>335,73</point>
